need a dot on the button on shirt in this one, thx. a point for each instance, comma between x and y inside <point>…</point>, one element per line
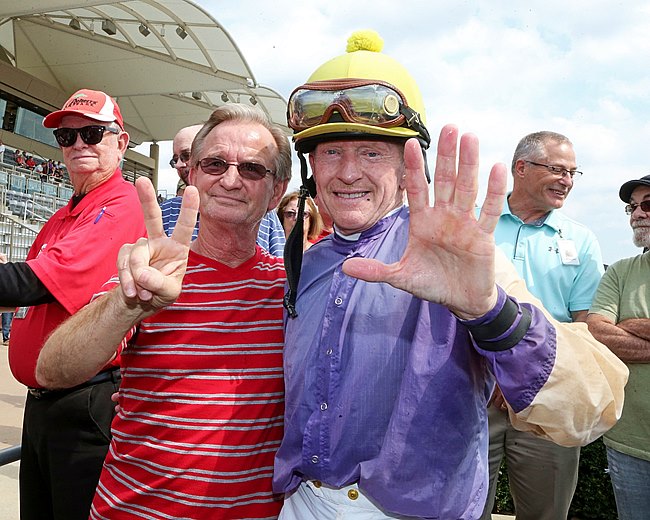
<point>388,390</point>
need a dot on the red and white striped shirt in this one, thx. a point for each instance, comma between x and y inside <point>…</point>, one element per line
<point>201,401</point>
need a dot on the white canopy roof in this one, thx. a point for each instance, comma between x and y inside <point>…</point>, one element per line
<point>168,63</point>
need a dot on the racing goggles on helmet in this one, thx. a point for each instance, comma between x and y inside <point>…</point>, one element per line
<point>367,102</point>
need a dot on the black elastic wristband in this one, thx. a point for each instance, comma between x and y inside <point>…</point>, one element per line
<point>482,334</point>
<point>499,325</point>
<point>511,339</point>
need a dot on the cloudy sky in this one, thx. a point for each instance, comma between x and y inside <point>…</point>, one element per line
<point>499,69</point>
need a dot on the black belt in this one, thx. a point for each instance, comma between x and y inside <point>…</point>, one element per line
<point>103,377</point>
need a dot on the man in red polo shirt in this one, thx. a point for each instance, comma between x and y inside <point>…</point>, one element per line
<point>66,432</point>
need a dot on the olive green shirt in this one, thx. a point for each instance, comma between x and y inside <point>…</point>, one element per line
<point>623,293</point>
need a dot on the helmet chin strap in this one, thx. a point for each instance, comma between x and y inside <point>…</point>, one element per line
<point>293,253</point>
<point>295,242</point>
<point>308,183</point>
<point>423,137</point>
<point>426,165</point>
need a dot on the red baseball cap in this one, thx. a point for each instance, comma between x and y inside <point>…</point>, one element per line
<point>92,104</point>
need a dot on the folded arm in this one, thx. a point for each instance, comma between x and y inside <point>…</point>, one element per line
<point>86,342</point>
<point>628,339</point>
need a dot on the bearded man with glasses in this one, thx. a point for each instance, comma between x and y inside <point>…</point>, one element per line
<point>561,262</point>
<point>620,317</point>
<point>66,432</point>
<point>201,400</point>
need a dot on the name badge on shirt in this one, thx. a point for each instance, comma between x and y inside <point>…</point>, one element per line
<point>568,252</point>
<point>20,313</point>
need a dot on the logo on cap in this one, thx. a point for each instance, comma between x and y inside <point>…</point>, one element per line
<point>92,104</point>
<point>78,100</point>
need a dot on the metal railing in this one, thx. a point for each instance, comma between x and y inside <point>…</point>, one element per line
<point>9,455</point>
<point>16,237</point>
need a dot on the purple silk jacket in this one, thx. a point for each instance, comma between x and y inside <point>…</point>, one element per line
<point>390,391</point>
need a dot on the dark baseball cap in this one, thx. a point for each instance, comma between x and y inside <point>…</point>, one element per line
<point>625,193</point>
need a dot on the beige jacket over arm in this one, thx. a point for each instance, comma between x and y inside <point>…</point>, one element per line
<point>583,396</point>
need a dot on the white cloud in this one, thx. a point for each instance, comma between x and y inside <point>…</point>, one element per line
<point>497,69</point>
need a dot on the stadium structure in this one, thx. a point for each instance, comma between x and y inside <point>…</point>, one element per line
<point>168,63</point>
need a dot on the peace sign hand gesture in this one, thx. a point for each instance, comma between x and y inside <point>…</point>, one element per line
<point>151,270</point>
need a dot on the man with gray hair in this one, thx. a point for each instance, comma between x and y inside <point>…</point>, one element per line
<point>270,235</point>
<point>561,263</point>
<point>201,400</point>
<point>619,317</point>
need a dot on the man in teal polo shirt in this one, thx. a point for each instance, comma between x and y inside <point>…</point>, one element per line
<point>561,262</point>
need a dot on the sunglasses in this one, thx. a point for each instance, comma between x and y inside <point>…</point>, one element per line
<point>357,101</point>
<point>184,157</point>
<point>631,208</point>
<point>92,134</point>
<point>248,170</point>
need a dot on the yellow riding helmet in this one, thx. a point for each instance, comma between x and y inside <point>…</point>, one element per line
<point>361,94</point>
<point>363,60</point>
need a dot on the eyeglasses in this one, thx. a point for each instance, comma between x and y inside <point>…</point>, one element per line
<point>248,170</point>
<point>357,101</point>
<point>184,157</point>
<point>293,214</point>
<point>558,171</point>
<point>92,134</point>
<point>631,207</point>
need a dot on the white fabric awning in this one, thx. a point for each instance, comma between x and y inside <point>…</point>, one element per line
<point>168,62</point>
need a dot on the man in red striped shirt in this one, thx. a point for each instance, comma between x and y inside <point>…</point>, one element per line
<point>201,400</point>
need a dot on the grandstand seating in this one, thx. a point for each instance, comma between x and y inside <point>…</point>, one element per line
<point>23,185</point>
<point>26,202</point>
<point>16,237</point>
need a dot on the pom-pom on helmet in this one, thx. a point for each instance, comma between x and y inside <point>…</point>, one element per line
<point>362,93</point>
